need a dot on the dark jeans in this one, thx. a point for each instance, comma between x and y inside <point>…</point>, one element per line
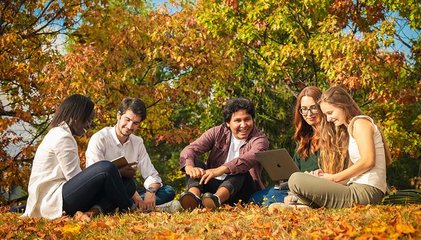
<point>240,186</point>
<point>165,194</point>
<point>99,184</point>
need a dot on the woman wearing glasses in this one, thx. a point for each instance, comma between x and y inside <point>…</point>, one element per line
<point>307,117</point>
<point>348,138</point>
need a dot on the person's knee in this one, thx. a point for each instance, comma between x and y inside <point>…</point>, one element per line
<point>234,183</point>
<point>105,166</point>
<point>192,182</point>
<point>294,181</point>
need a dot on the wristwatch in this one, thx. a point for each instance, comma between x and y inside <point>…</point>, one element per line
<point>152,190</point>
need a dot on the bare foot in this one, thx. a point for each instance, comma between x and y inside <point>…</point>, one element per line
<point>82,217</point>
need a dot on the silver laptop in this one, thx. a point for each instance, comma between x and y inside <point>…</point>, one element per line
<point>277,163</point>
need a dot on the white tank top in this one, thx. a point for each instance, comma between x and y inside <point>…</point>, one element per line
<point>376,176</point>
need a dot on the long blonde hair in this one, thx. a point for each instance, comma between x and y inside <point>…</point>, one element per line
<point>334,140</point>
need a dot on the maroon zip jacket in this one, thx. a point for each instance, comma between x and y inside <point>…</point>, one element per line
<point>217,141</point>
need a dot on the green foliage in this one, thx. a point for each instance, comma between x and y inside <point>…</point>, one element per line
<point>287,45</point>
<point>402,170</point>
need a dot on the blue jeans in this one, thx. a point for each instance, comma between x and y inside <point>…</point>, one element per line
<point>268,196</point>
<point>99,184</point>
<point>164,194</point>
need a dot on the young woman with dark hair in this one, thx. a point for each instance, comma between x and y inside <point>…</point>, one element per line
<point>57,182</point>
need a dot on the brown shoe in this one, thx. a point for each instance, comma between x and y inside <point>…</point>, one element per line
<point>189,201</point>
<point>211,201</point>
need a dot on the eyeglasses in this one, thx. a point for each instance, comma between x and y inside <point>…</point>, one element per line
<point>304,110</point>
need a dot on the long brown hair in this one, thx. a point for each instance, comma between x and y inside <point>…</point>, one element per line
<point>306,136</point>
<point>334,140</point>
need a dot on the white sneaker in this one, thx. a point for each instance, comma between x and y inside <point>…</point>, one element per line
<point>277,206</point>
<point>169,207</point>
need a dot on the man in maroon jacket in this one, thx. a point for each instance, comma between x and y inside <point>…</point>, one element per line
<point>232,172</point>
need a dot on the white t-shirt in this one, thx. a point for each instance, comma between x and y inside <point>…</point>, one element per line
<point>376,176</point>
<point>234,151</point>
<point>104,145</point>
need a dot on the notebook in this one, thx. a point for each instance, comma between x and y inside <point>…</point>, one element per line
<point>120,161</point>
<point>277,163</point>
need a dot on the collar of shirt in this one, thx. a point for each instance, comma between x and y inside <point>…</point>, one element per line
<point>236,143</point>
<point>65,126</point>
<point>114,135</point>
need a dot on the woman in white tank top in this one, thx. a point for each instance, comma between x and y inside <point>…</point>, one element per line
<point>348,138</point>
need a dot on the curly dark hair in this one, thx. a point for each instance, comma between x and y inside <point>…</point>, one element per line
<point>236,104</point>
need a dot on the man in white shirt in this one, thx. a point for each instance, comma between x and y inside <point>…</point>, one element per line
<point>112,142</point>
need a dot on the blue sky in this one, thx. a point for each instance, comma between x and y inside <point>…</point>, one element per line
<point>171,8</point>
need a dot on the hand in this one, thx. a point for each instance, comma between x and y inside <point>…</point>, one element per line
<point>317,173</point>
<point>212,173</point>
<point>137,199</point>
<point>329,177</point>
<point>194,172</point>
<point>149,201</point>
<point>128,171</point>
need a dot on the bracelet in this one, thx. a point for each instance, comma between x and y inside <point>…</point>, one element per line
<point>151,190</point>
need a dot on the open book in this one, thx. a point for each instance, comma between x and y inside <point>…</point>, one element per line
<point>120,161</point>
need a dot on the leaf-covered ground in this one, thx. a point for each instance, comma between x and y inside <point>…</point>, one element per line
<point>251,222</point>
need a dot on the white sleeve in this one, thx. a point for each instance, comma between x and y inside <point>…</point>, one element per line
<point>148,171</point>
<point>95,151</point>
<point>67,155</point>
